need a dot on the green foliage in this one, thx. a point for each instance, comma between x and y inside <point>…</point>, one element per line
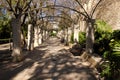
<point>82,37</point>
<point>107,44</point>
<point>115,45</point>
<point>115,41</point>
<point>102,42</point>
<point>103,35</point>
<point>112,68</point>
<point>116,35</point>
<point>53,34</point>
<point>113,56</point>
<point>102,26</point>
<point>106,72</point>
<point>5,28</point>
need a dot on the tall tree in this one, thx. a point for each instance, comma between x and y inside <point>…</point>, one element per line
<point>17,8</point>
<point>87,9</point>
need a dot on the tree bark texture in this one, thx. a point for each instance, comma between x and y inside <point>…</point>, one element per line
<point>76,33</point>
<point>40,37</point>
<point>16,30</point>
<point>89,36</point>
<point>36,36</point>
<point>30,37</point>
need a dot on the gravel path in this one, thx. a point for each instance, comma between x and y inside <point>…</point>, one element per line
<point>50,61</point>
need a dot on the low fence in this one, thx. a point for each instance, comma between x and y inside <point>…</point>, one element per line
<point>2,41</point>
<point>5,41</point>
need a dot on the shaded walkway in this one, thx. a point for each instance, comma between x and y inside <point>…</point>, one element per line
<point>49,61</point>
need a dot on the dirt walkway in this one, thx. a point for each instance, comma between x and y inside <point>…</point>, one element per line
<point>49,61</point>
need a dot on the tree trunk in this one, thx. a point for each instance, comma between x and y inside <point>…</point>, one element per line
<point>30,37</point>
<point>69,34</point>
<point>36,36</point>
<point>44,35</point>
<point>66,37</point>
<point>22,40</point>
<point>76,34</point>
<point>40,36</point>
<point>82,26</point>
<point>89,36</point>
<point>16,29</point>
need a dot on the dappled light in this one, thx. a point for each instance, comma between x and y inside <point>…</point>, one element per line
<point>59,40</point>
<point>42,64</point>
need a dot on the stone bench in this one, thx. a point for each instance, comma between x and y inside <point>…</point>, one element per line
<point>93,59</point>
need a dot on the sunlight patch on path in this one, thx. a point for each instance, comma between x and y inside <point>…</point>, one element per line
<point>53,61</point>
<point>26,73</point>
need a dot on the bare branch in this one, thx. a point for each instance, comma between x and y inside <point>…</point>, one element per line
<point>17,6</point>
<point>10,5</point>
<point>82,8</point>
<point>95,8</point>
<point>67,8</point>
<point>27,6</point>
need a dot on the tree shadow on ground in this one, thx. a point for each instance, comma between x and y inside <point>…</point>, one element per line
<point>10,70</point>
<point>5,56</point>
<point>62,67</point>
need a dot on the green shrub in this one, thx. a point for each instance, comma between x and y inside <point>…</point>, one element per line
<point>102,43</point>
<point>111,70</point>
<point>5,28</point>
<point>53,34</point>
<point>102,26</point>
<point>116,35</point>
<point>106,70</point>
<point>82,37</point>
<point>107,44</point>
<point>103,35</point>
<point>113,56</point>
<point>114,44</point>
